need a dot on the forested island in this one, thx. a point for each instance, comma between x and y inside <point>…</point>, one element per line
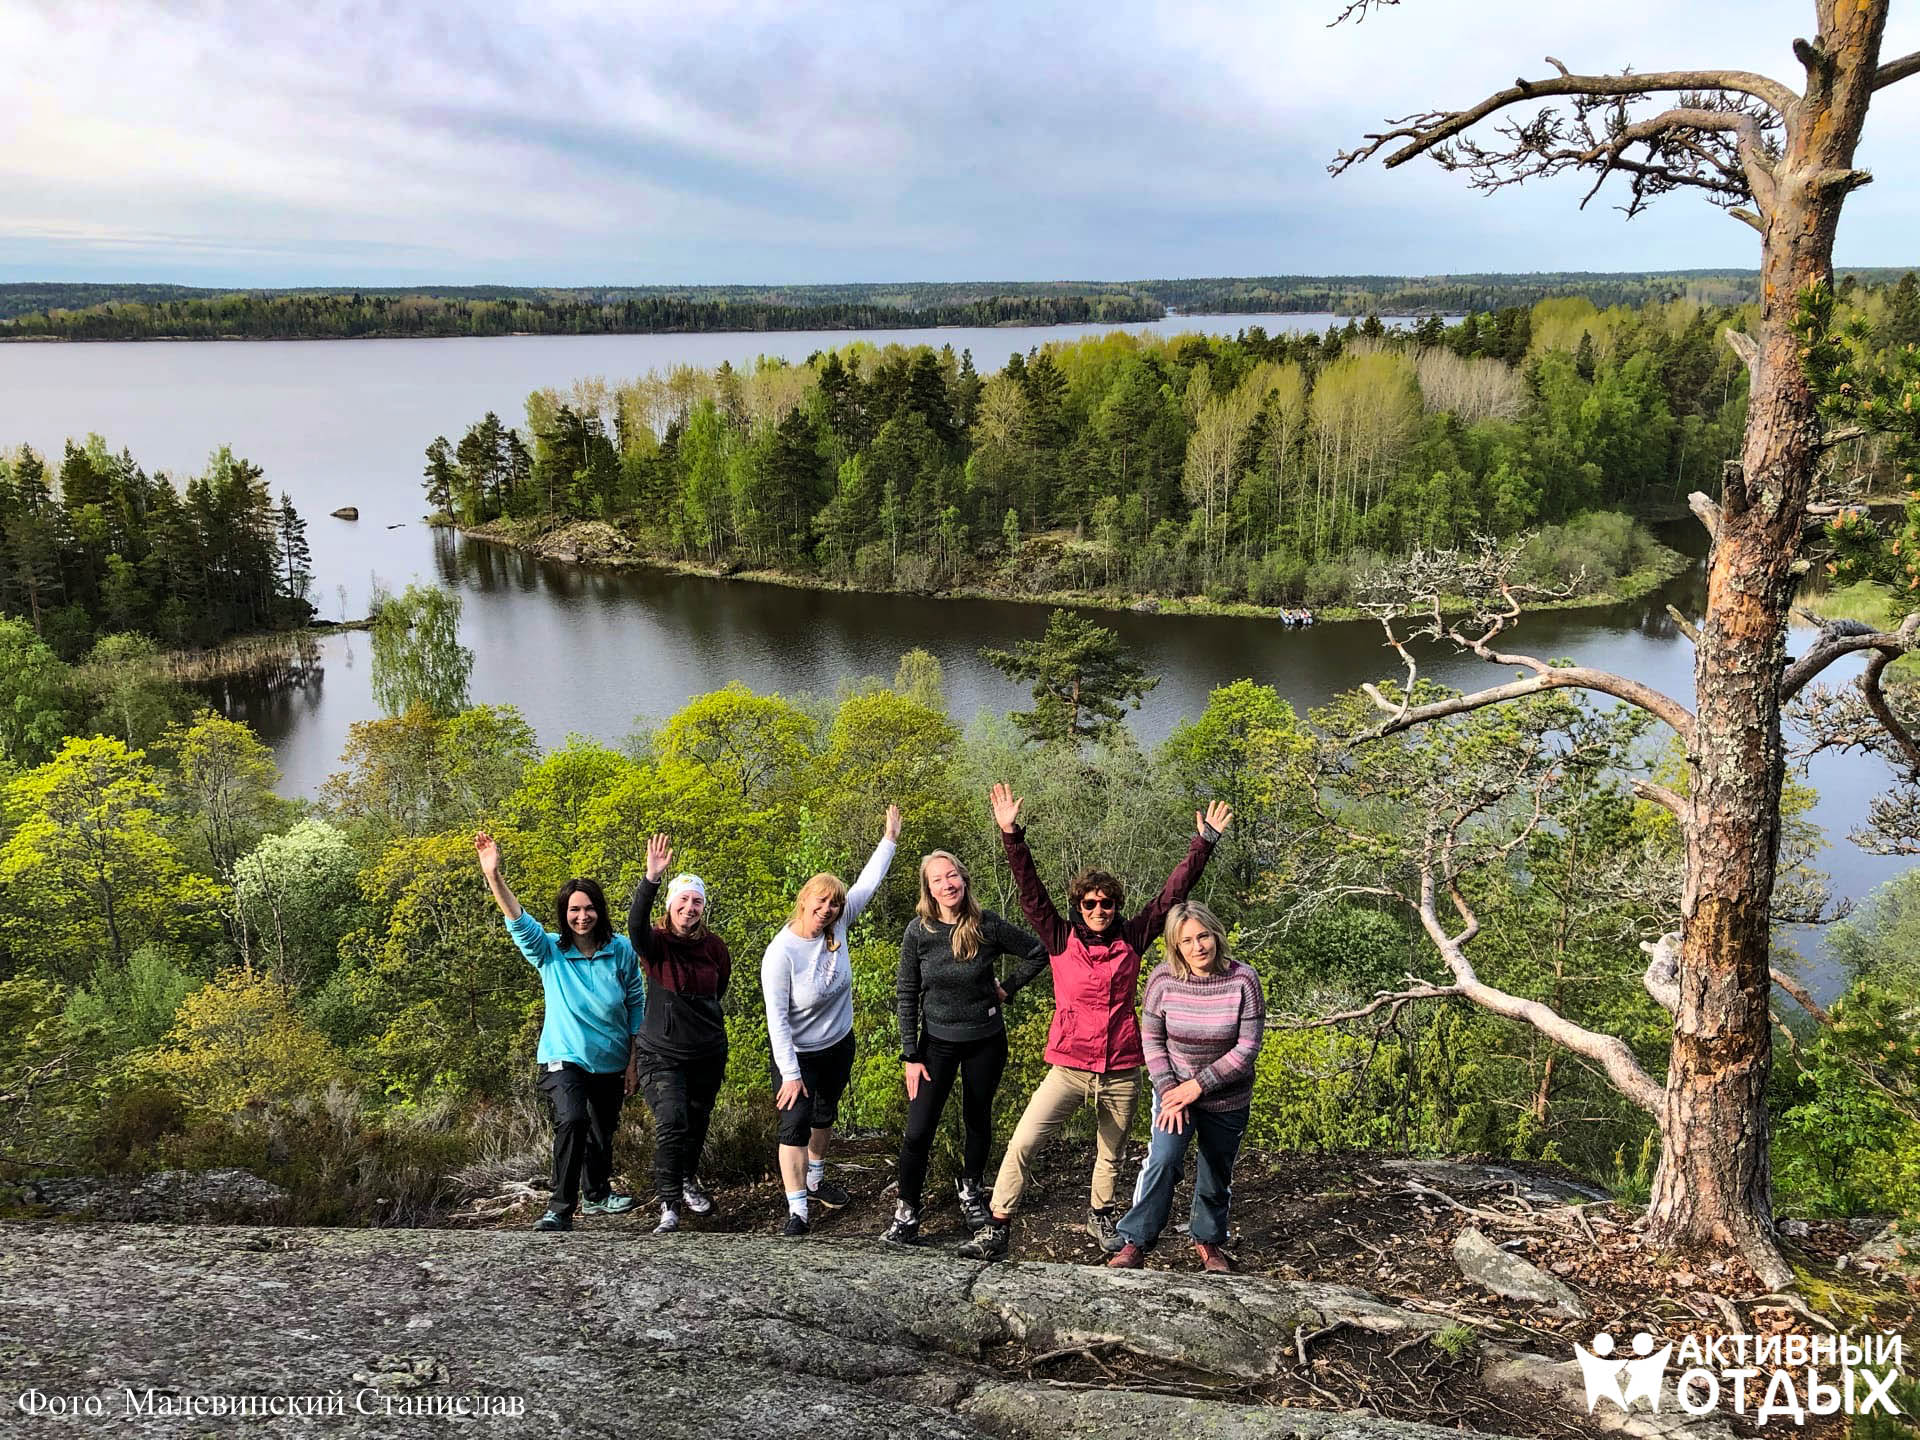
<point>92,311</point>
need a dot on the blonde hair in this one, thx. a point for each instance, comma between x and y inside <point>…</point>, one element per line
<point>966,930</point>
<point>1209,922</point>
<point>819,885</point>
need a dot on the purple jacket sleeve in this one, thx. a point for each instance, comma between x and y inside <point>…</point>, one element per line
<point>1034,900</point>
<point>1144,927</point>
<point>1237,1063</point>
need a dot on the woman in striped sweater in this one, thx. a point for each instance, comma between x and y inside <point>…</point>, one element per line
<point>1200,1024</point>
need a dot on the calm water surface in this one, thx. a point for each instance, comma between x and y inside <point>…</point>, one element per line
<point>345,423</point>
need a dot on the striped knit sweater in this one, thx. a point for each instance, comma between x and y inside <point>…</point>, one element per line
<point>1206,1029</point>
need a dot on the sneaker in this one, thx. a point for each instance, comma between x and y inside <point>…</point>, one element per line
<point>834,1197</point>
<point>695,1194</point>
<point>795,1227</point>
<point>905,1229</point>
<point>1128,1257</point>
<point>973,1203</point>
<point>989,1242</point>
<point>612,1203</point>
<point>1103,1226</point>
<point>669,1221</point>
<point>554,1220</point>
<point>1213,1259</point>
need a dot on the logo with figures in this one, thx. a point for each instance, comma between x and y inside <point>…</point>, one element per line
<point>1610,1376</point>
<point>1763,1377</point>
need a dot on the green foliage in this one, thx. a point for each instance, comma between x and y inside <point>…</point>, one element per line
<point>1083,681</point>
<point>48,1066</point>
<point>36,696</point>
<point>133,1005</point>
<point>238,1041</point>
<point>91,868</point>
<point>417,655</point>
<point>297,895</point>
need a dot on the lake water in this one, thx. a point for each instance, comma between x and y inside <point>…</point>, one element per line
<point>345,423</point>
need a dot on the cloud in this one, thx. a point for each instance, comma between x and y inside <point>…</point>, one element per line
<point>279,143</point>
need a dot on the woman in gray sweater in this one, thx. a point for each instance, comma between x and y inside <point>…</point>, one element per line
<point>952,1025</point>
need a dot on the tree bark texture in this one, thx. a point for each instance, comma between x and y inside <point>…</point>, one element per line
<point>1712,1191</point>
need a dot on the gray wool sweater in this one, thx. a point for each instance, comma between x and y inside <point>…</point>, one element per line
<point>953,999</point>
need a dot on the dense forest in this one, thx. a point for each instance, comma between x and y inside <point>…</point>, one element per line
<point>98,547</point>
<point>204,974</point>
<point>96,311</point>
<point>1276,469</point>
<point>360,315</point>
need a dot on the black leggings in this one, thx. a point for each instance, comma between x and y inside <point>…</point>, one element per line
<point>586,1113</point>
<point>680,1093</point>
<point>979,1064</point>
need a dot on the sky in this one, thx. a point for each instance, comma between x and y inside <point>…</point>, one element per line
<point>541,142</point>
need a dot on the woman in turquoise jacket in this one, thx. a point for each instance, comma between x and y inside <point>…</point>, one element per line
<point>595,1002</point>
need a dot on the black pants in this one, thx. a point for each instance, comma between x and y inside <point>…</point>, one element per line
<point>680,1093</point>
<point>586,1113</point>
<point>825,1074</point>
<point>979,1064</point>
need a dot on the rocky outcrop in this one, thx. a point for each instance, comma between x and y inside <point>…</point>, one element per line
<point>346,512</point>
<point>168,1196</point>
<point>1512,1278</point>
<point>695,1336</point>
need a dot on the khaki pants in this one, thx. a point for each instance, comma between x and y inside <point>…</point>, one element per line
<point>1114,1096</point>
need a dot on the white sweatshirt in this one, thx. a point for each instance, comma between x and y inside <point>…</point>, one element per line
<point>809,987</point>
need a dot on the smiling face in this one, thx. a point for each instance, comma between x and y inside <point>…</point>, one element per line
<point>582,914</point>
<point>1197,946</point>
<point>1099,911</point>
<point>946,883</point>
<point>820,913</point>
<point>685,910</point>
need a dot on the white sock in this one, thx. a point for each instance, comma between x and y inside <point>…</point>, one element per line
<point>816,1172</point>
<point>797,1202</point>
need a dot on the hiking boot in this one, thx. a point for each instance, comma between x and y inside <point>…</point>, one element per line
<point>1103,1226</point>
<point>1128,1257</point>
<point>973,1203</point>
<point>989,1242</point>
<point>1213,1259</point>
<point>831,1195</point>
<point>669,1221</point>
<point>612,1203</point>
<point>554,1220</point>
<point>905,1229</point>
<point>795,1227</point>
<point>695,1195</point>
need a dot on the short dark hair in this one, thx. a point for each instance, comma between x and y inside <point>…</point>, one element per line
<point>1090,880</point>
<point>602,926</point>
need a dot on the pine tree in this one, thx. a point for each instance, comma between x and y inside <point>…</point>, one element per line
<point>297,557</point>
<point>1083,681</point>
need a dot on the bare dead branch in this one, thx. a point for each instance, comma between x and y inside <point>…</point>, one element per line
<point>1707,512</point>
<point>1681,807</point>
<point>1662,976</point>
<point>1836,640</point>
<point>1888,72</point>
<point>1687,627</point>
<point>1743,345</point>
<point>1876,697</point>
<point>1802,996</point>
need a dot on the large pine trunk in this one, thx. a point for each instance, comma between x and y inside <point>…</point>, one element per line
<point>1712,1193</point>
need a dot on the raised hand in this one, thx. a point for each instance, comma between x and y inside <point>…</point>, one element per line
<point>1219,815</point>
<point>659,858</point>
<point>488,850</point>
<point>893,822</point>
<point>1006,807</point>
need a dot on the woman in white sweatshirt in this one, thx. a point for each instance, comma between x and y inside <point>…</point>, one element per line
<point>808,985</point>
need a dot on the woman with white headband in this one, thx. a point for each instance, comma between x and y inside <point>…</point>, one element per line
<point>681,1049</point>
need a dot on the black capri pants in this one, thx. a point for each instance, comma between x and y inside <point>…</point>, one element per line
<point>825,1074</point>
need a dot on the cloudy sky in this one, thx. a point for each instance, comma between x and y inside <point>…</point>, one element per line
<point>549,142</point>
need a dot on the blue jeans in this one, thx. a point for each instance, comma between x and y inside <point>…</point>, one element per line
<point>1219,1133</point>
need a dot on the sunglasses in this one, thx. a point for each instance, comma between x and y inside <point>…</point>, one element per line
<point>1097,903</point>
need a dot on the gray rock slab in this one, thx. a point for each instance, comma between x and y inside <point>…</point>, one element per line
<point>1455,1175</point>
<point>619,1333</point>
<point>1506,1274</point>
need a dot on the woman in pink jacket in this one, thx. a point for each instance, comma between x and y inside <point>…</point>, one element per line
<point>1093,1045</point>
